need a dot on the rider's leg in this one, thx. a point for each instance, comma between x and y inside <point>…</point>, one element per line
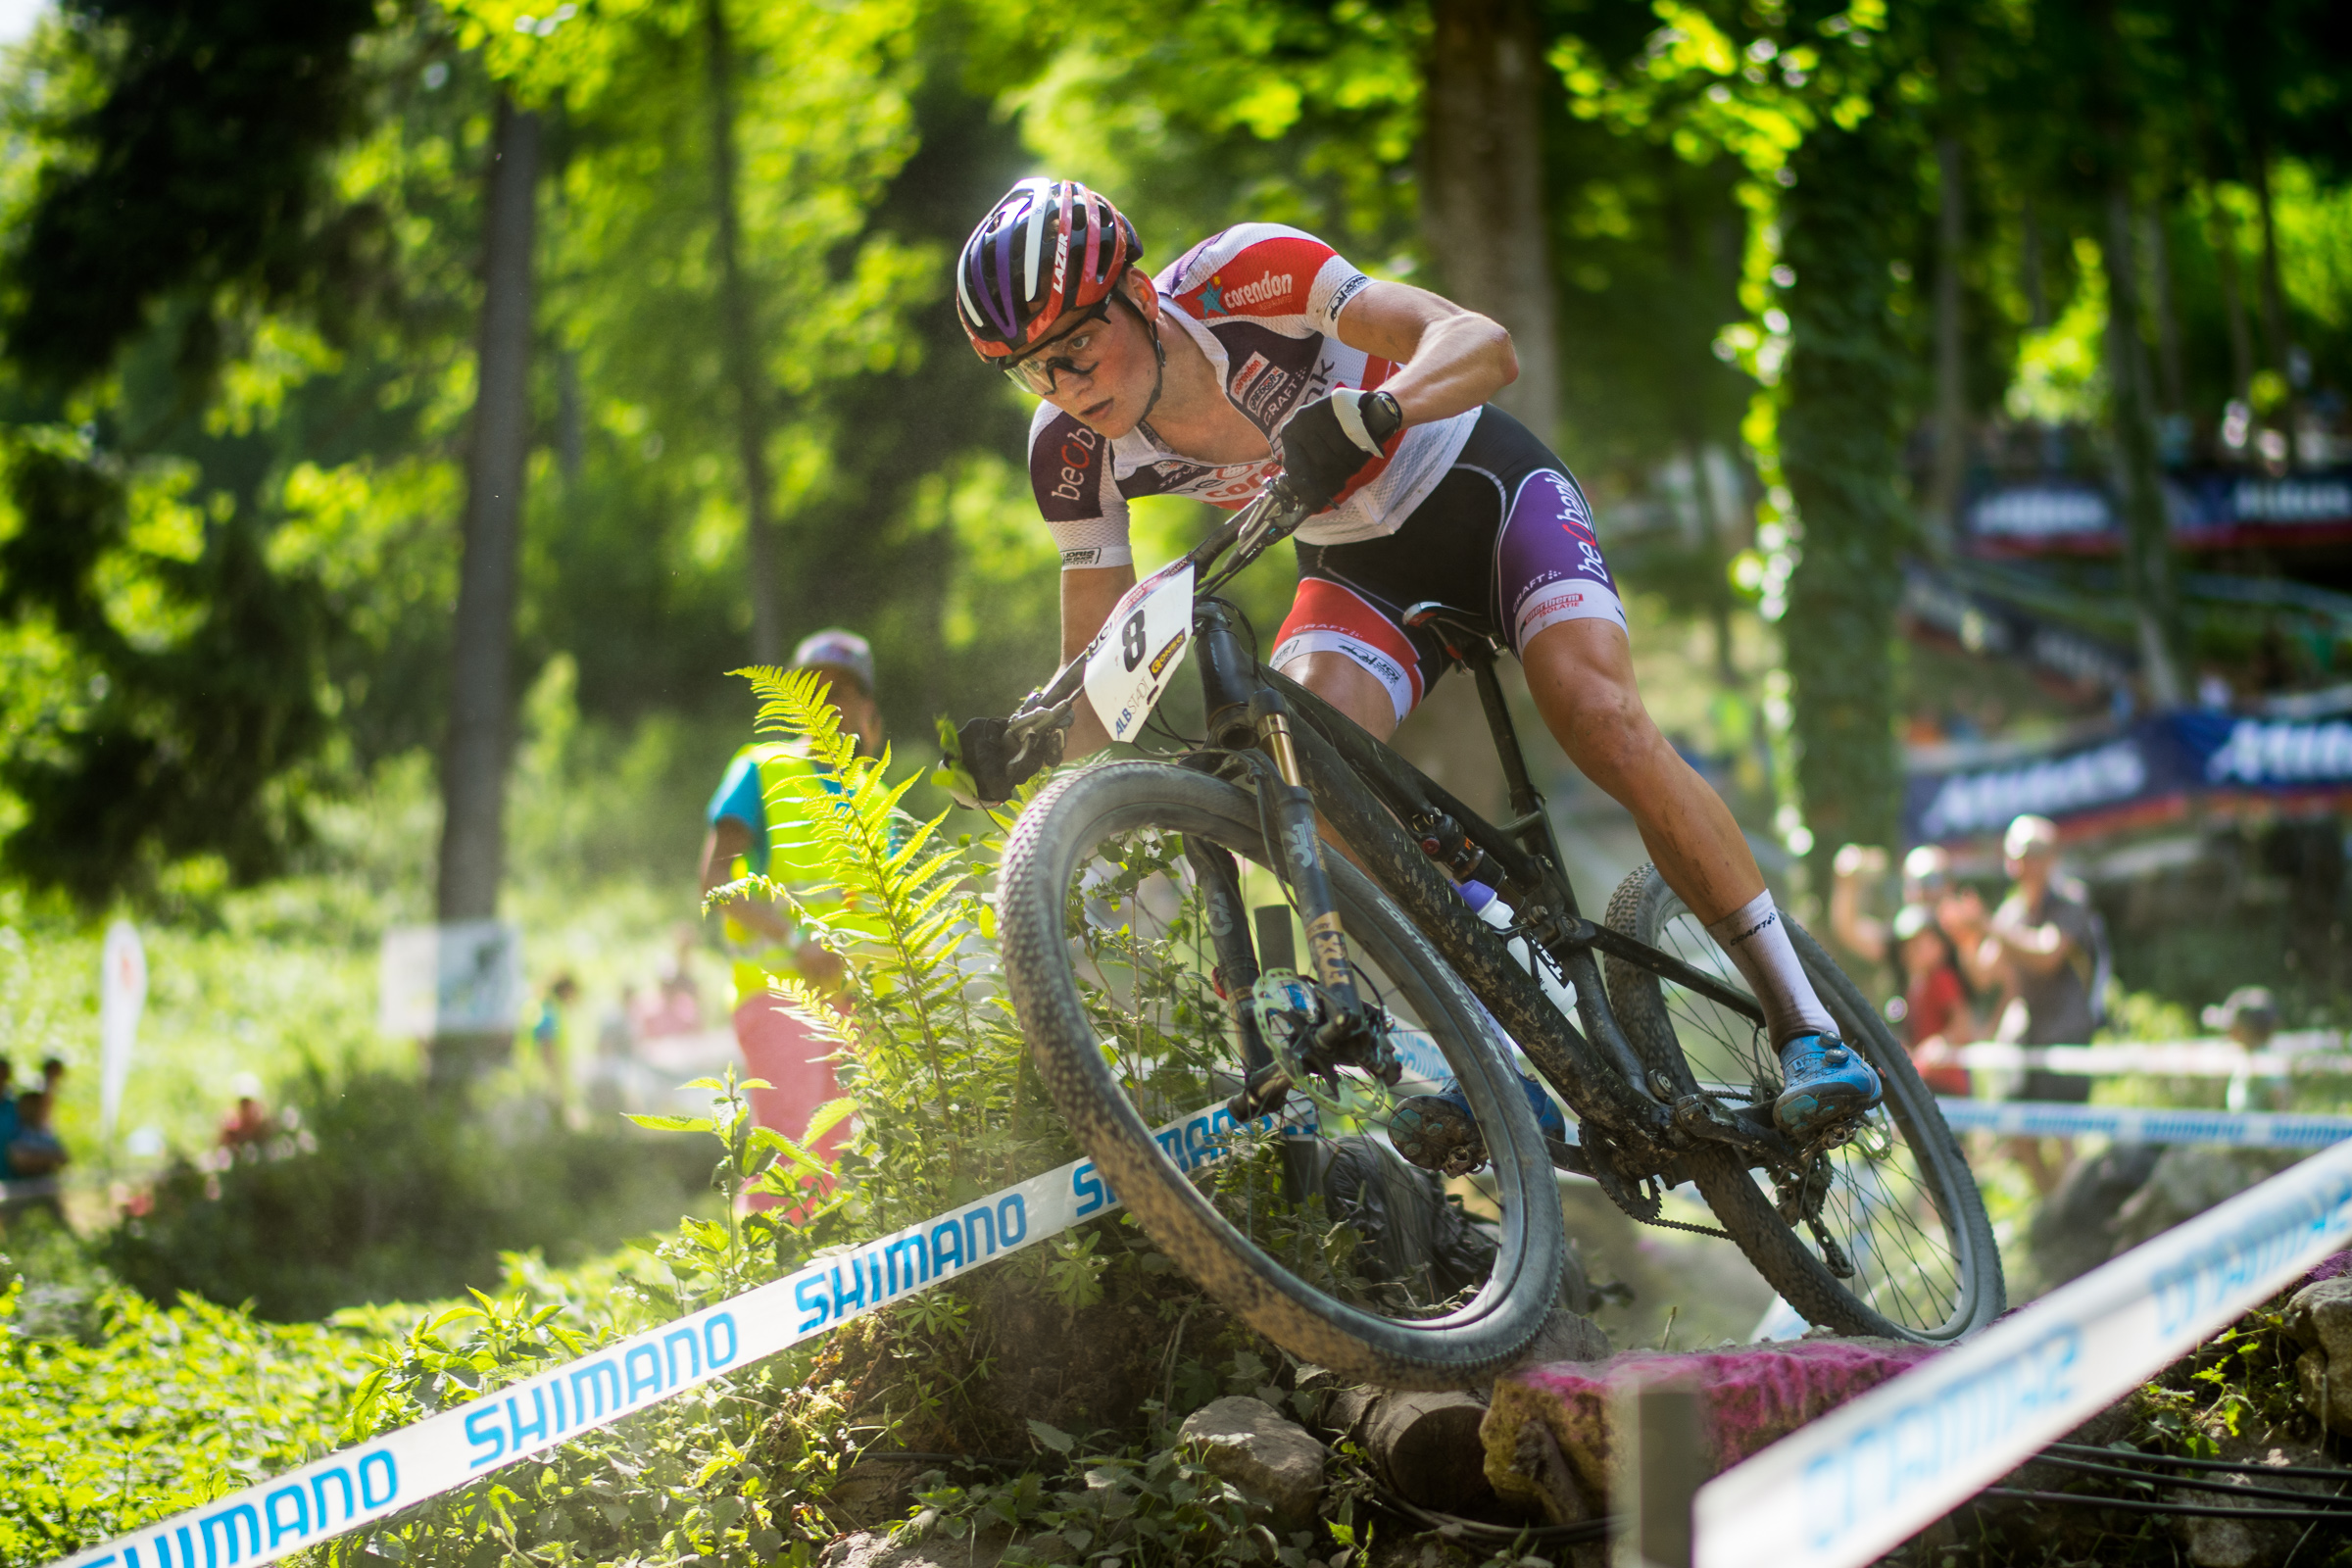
<point>1581,675</point>
<point>1348,687</point>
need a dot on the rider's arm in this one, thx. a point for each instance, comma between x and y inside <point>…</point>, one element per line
<point>1453,359</point>
<point>1089,594</point>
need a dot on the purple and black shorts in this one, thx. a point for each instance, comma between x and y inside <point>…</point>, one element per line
<point>1505,537</point>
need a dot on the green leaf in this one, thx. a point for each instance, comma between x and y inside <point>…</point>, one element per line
<point>1053,1438</point>
<point>670,1124</point>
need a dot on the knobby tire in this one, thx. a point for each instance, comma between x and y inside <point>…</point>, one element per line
<point>1964,1292</point>
<point>1054,842</point>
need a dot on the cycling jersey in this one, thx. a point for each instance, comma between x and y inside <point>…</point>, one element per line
<point>1263,303</point>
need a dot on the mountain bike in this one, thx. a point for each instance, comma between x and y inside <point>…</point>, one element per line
<point>1131,870</point>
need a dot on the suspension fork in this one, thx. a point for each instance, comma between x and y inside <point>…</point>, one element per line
<point>1229,933</point>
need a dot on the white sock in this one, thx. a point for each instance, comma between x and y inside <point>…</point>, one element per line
<point>1758,943</point>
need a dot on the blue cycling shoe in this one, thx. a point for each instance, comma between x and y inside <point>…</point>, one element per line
<point>1828,1083</point>
<point>1437,1131</point>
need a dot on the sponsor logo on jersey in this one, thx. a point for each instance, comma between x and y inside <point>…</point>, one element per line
<point>1219,300</point>
<point>1082,558</point>
<point>1251,369</point>
<point>1343,294</point>
<point>1077,455</point>
<point>1272,391</point>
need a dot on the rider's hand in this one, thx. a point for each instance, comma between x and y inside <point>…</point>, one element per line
<point>1328,444</point>
<point>988,757</point>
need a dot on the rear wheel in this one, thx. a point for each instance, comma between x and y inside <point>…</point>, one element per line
<point>1108,955</point>
<point>1884,1234</point>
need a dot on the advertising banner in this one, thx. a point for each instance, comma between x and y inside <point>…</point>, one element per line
<point>2166,758</point>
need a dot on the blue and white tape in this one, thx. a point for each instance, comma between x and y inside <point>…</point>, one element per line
<point>2315,1052</point>
<point>1853,1485</point>
<point>2142,1124</point>
<point>354,1486</point>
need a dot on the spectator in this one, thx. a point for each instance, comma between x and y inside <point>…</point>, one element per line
<point>1937,1018</point>
<point>249,1125</point>
<point>34,1151</point>
<point>675,1006</point>
<point>778,1046</point>
<point>1926,871</point>
<point>2044,949</point>
<point>547,1031</point>
<point>2249,1016</point>
<point>8,1112</point>
<point>53,1074</point>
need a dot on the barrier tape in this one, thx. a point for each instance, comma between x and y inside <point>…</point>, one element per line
<point>354,1486</point>
<point>1868,1476</point>
<point>2141,1124</point>
<point>2285,1057</point>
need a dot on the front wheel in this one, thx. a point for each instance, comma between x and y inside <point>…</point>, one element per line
<point>1884,1234</point>
<point>1105,936</point>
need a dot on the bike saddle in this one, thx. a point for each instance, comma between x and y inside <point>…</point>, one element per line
<point>1457,629</point>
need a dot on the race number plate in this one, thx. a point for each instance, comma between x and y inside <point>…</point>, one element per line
<point>1142,647</point>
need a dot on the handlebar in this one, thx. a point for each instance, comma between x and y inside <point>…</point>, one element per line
<point>1256,529</point>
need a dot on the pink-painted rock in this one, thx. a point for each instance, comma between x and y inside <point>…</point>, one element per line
<point>1752,1397</point>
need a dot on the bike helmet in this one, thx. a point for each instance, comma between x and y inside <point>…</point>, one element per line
<point>1050,248</point>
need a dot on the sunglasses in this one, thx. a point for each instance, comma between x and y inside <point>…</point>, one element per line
<point>1041,371</point>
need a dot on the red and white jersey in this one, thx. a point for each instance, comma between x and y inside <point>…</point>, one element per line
<point>1263,303</point>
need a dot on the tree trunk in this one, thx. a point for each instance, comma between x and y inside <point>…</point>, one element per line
<point>2037,298</point>
<point>741,343</point>
<point>1841,447</point>
<point>473,779</point>
<point>481,706</point>
<point>1481,193</point>
<point>2273,302</point>
<point>2167,314</point>
<point>1952,368</point>
<point>2233,299</point>
<point>2147,532</point>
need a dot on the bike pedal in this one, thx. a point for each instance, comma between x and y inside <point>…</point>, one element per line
<point>1438,1135</point>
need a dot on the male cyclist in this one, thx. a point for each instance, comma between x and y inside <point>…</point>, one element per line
<point>1260,353</point>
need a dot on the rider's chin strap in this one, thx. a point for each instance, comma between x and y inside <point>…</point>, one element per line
<point>1160,371</point>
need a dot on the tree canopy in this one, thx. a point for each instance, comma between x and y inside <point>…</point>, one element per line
<point>240,282</point>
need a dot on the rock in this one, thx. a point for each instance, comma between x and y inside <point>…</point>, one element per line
<point>1534,1475</point>
<point>1566,1337</point>
<point>2186,1182</point>
<point>1750,1397</point>
<point>875,1549</point>
<point>2248,1543</point>
<point>1427,1449</point>
<point>2320,1317</point>
<point>873,1492</point>
<point>1251,1445</point>
<point>2074,1232</point>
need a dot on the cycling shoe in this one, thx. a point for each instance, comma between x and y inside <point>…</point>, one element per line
<point>1437,1131</point>
<point>1828,1083</point>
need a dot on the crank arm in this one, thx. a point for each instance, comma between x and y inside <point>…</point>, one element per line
<point>1702,1119</point>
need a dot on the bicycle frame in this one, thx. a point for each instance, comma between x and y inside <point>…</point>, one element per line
<point>1635,1117</point>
